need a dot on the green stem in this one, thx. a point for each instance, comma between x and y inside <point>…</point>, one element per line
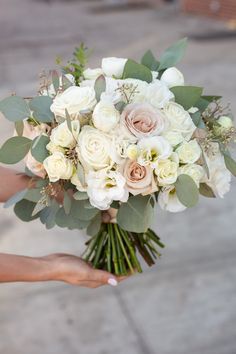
<point>109,253</point>
<point>123,248</point>
<point>155,238</point>
<point>99,249</point>
<point>114,254</point>
<point>92,245</point>
<point>131,250</point>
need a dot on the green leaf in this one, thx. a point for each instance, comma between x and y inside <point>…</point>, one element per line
<point>14,149</point>
<point>38,208</point>
<point>133,70</point>
<point>78,210</point>
<point>81,174</point>
<point>202,104</point>
<point>100,86</point>
<point>187,96</point>
<point>33,195</point>
<point>15,198</point>
<point>40,105</point>
<point>14,108</point>
<point>63,220</point>
<point>95,225</point>
<point>68,121</point>
<point>211,98</point>
<point>19,126</point>
<point>24,210</point>
<point>67,203</point>
<point>173,54</point>
<point>230,164</point>
<point>135,215</point>
<point>55,80</point>
<point>150,61</point>
<point>38,149</point>
<point>48,215</point>
<point>187,191</point>
<point>206,191</point>
<point>80,196</point>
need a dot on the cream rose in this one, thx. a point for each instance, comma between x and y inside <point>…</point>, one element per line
<point>158,94</point>
<point>172,77</point>
<point>58,167</point>
<point>142,120</point>
<point>92,74</point>
<point>189,152</point>
<point>113,66</point>
<point>180,121</point>
<point>166,172</point>
<point>139,179</point>
<point>105,116</point>
<point>93,148</point>
<point>62,136</point>
<point>196,172</point>
<point>75,100</point>
<point>54,148</point>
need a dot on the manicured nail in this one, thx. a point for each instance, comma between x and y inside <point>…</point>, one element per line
<point>112,282</point>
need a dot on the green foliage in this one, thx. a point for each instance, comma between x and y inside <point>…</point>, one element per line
<point>77,64</point>
<point>187,191</point>
<point>24,210</point>
<point>19,126</point>
<point>100,86</point>
<point>14,149</point>
<point>133,70</point>
<point>197,120</point>
<point>230,164</point>
<point>16,198</point>
<point>204,102</point>
<point>79,210</point>
<point>33,195</point>
<point>187,96</point>
<point>14,108</point>
<point>48,215</point>
<point>80,195</point>
<point>95,225</point>
<point>206,191</point>
<point>40,106</point>
<point>173,54</point>
<point>135,215</point>
<point>69,221</point>
<point>150,61</point>
<point>38,149</point>
<point>67,203</point>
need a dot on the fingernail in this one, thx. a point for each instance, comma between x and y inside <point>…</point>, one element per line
<point>112,282</point>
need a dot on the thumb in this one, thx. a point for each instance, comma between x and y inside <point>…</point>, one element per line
<point>103,277</point>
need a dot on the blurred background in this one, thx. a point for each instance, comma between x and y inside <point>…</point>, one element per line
<point>186,303</point>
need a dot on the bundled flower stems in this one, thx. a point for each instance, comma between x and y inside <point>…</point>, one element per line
<point>115,142</point>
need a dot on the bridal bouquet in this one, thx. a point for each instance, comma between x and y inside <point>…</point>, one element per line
<point>103,146</point>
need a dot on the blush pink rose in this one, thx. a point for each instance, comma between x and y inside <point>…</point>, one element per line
<point>139,179</point>
<point>142,120</point>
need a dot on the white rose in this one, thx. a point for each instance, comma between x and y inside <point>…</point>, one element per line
<point>225,122</point>
<point>168,200</point>
<point>58,167</point>
<point>173,137</point>
<point>113,66</point>
<point>104,187</point>
<point>54,148</point>
<point>158,94</point>
<point>75,100</point>
<point>92,74</point>
<point>196,172</point>
<point>62,136</point>
<point>220,177</point>
<point>93,148</point>
<point>119,146</point>
<point>180,121</point>
<point>105,116</point>
<point>189,152</point>
<point>138,87</point>
<point>153,149</point>
<point>166,172</point>
<point>172,77</point>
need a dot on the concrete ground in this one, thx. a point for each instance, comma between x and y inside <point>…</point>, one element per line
<point>186,303</point>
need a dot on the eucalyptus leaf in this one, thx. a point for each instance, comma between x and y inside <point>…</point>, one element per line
<point>14,108</point>
<point>78,210</point>
<point>38,207</point>
<point>81,174</point>
<point>187,191</point>
<point>95,225</point>
<point>15,198</point>
<point>40,106</point>
<point>67,203</point>
<point>68,120</point>
<point>33,195</point>
<point>19,126</point>
<point>187,96</point>
<point>100,86</point>
<point>39,150</point>
<point>14,149</point>
<point>206,191</point>
<point>133,70</point>
<point>80,195</point>
<point>150,61</point>
<point>135,215</point>
<point>48,215</point>
<point>68,221</point>
<point>55,80</point>
<point>230,164</point>
<point>173,54</point>
<point>24,210</point>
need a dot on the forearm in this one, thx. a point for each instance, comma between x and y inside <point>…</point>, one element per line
<point>11,183</point>
<point>26,269</point>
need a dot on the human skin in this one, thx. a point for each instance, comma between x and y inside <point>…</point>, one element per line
<point>59,267</point>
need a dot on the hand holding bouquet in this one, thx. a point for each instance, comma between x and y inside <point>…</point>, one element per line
<point>104,146</point>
